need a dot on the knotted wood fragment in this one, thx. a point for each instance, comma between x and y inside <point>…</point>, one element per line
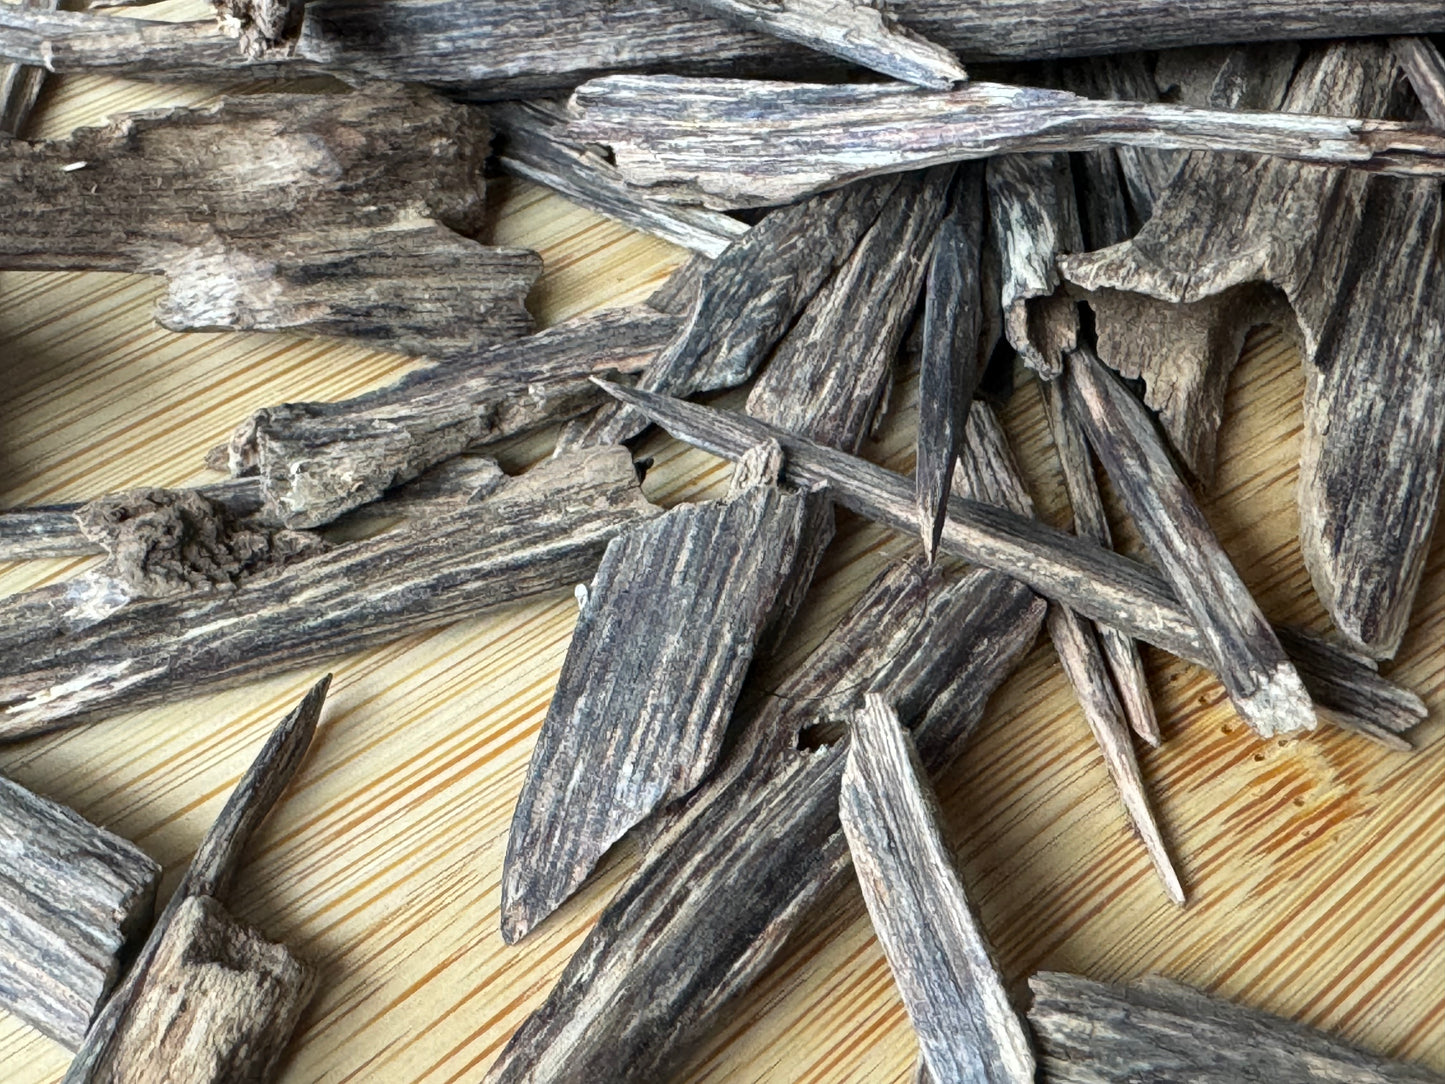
<point>1253,667</point>
<point>666,635</point>
<point>75,901</point>
<point>747,300</point>
<point>989,474</point>
<point>827,377</point>
<point>757,848</point>
<point>854,30</point>
<point>951,357</point>
<point>742,143</point>
<point>968,1031</point>
<point>543,530</point>
<point>209,1000</point>
<point>373,240</point>
<point>262,27</point>
<point>532,144</point>
<point>1098,583</point>
<point>317,461</point>
<point>1155,1029</point>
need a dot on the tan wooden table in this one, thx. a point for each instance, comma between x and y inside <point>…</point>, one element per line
<point>1315,866</point>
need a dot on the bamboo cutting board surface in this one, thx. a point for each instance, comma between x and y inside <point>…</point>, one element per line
<point>1315,865</point>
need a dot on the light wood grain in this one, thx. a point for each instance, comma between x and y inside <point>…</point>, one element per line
<point>1313,863</point>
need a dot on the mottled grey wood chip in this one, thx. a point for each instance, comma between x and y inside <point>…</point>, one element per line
<point>968,1031</point>
<point>1155,1029</point>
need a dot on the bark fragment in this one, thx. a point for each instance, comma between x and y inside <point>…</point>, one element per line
<point>1156,1029</point>
<point>741,143</point>
<point>758,846</point>
<point>1098,583</point>
<point>263,27</point>
<point>1426,68</point>
<point>658,658</point>
<point>544,530</point>
<point>74,901</point>
<point>940,957</point>
<point>20,84</point>
<point>365,245</point>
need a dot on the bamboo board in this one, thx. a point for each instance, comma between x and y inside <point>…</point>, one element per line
<point>1315,865</point>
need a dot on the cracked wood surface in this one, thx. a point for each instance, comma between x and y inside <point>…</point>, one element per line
<point>1311,869</point>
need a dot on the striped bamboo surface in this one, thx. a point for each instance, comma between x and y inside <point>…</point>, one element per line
<point>1315,865</point>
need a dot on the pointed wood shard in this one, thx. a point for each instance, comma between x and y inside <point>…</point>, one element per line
<point>741,143</point>
<point>373,241</point>
<point>747,299</point>
<point>1098,583</point>
<point>208,1000</point>
<point>949,357</point>
<point>753,851</point>
<point>827,378</point>
<point>20,84</point>
<point>851,29</point>
<point>988,473</point>
<point>1155,1029</point>
<point>1251,664</point>
<point>75,902</point>
<point>1374,435</point>
<point>663,642</point>
<point>1426,68</point>
<point>968,1032</point>
<point>543,530</point>
<point>1125,663</point>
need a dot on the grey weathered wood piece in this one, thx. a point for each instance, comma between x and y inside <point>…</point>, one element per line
<point>943,965</point>
<point>1034,219</point>
<point>372,242</point>
<point>1421,59</point>
<point>827,377</point>
<point>743,143</point>
<point>20,84</point>
<point>1125,662</point>
<point>746,301</point>
<point>1155,1029</point>
<point>543,530</point>
<point>950,356</point>
<point>319,460</point>
<point>1098,583</point>
<point>530,143</point>
<point>988,473</point>
<point>1253,667</point>
<point>667,631</point>
<point>249,1052</point>
<point>75,901</point>
<point>1374,434</point>
<point>262,27</point>
<point>757,848</point>
<point>1174,303</point>
<point>853,30</point>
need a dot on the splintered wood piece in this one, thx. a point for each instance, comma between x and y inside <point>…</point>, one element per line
<point>968,1031</point>
<point>988,473</point>
<point>237,1033</point>
<point>1251,664</point>
<point>744,143</point>
<point>319,460</point>
<point>949,354</point>
<point>1426,68</point>
<point>365,244</point>
<point>75,901</point>
<point>1374,407</point>
<point>531,144</point>
<point>1034,218</point>
<point>664,640</point>
<point>263,27</point>
<point>826,379</point>
<point>754,850</point>
<point>1154,1029</point>
<point>543,530</point>
<point>852,29</point>
<point>1098,583</point>
<point>1125,662</point>
<point>220,1004</point>
<point>20,84</point>
<point>1190,284</point>
<point>746,301</point>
